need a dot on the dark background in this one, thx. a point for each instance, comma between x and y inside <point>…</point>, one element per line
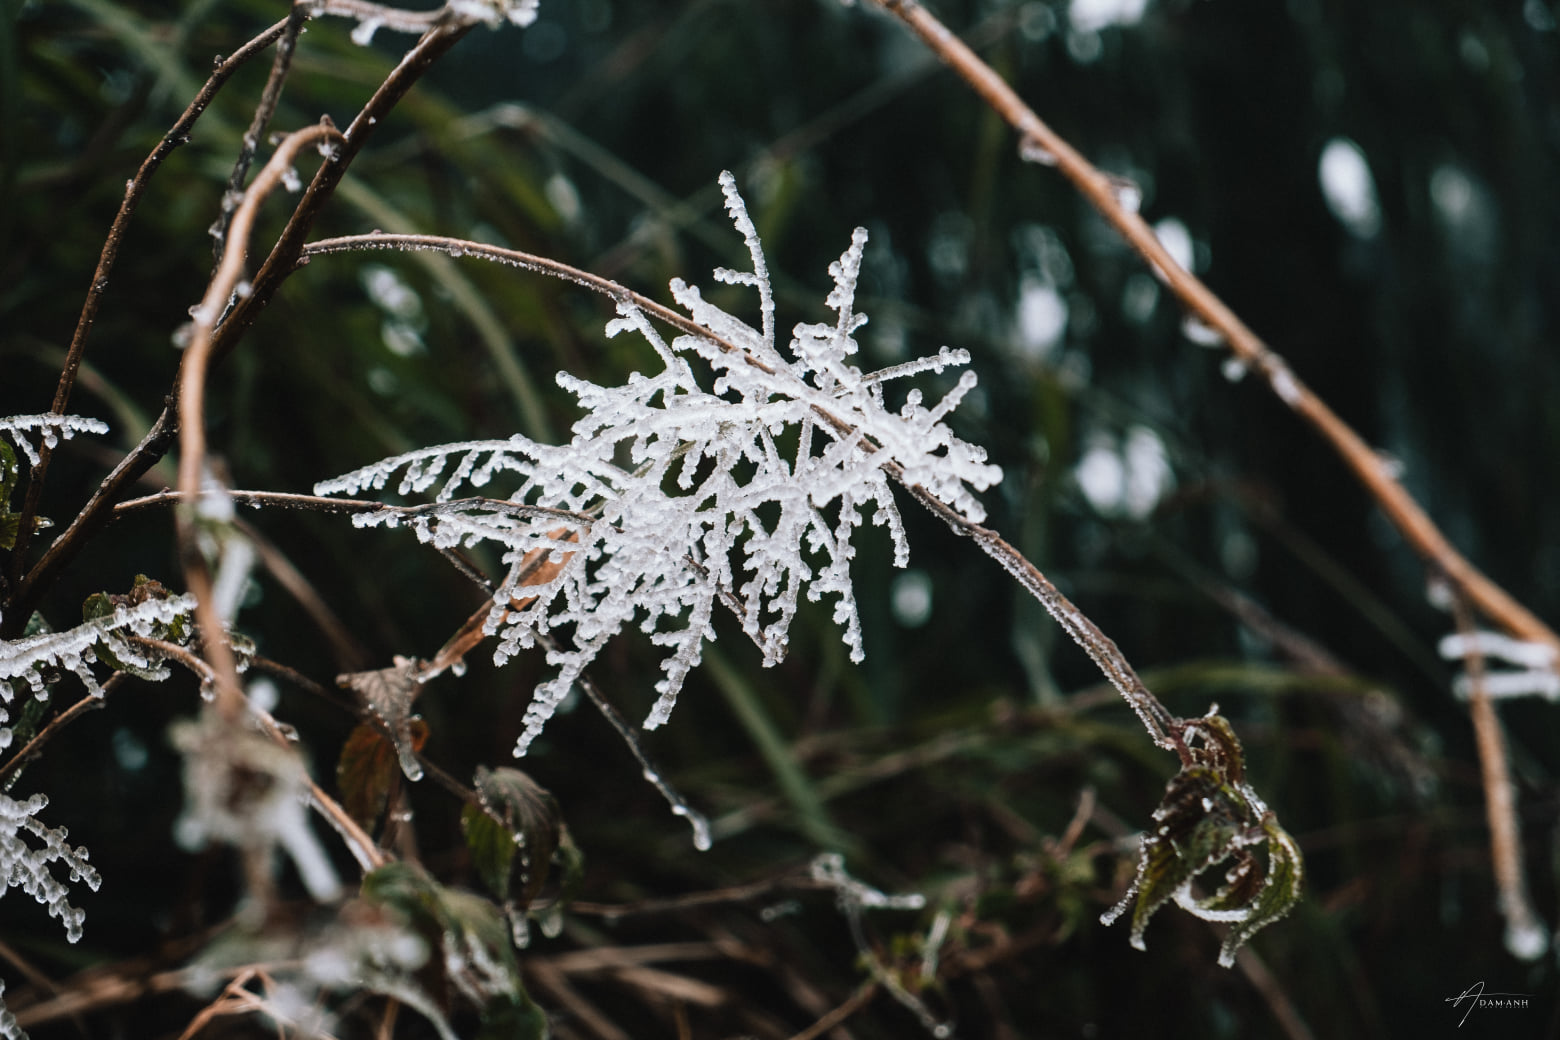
<point>596,137</point>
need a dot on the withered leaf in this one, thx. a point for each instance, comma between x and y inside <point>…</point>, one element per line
<point>389,693</point>
<point>366,769</point>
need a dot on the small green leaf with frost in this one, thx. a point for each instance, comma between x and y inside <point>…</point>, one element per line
<point>1211,817</point>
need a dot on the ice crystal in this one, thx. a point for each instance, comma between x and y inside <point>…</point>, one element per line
<point>31,659</point>
<point>50,429</point>
<point>27,867</point>
<point>671,497</point>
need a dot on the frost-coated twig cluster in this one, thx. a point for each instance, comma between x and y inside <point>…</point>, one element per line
<point>26,867</point>
<point>50,429</point>
<point>671,498</point>
<point>77,649</point>
<point>30,660</point>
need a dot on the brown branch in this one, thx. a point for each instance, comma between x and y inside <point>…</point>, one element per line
<point>34,747</point>
<point>1524,930</point>
<point>1103,192</point>
<point>177,135</point>
<point>262,118</point>
<point>278,265</point>
<point>515,258</point>
<point>225,284</point>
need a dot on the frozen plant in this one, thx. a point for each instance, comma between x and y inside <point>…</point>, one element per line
<point>671,497</point>
<point>27,867</point>
<point>50,429</point>
<point>111,633</point>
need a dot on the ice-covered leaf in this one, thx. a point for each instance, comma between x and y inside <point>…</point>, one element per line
<point>366,770</point>
<point>471,933</point>
<point>1211,817</point>
<point>389,693</point>
<point>515,819</point>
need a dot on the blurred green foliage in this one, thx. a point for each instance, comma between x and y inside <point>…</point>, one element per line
<point>954,760</point>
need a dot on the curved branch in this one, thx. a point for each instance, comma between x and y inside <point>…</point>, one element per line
<point>225,284</point>
<point>1162,725</point>
<point>1102,191</point>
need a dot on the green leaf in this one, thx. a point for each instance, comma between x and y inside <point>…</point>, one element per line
<point>1210,817</point>
<point>509,1018</point>
<point>9,472</point>
<point>492,849</point>
<point>1278,895</point>
<point>515,814</point>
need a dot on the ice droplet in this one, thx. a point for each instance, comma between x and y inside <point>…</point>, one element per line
<point>1285,387</point>
<point>1126,192</point>
<point>1200,332</point>
<point>519,929</point>
<point>291,181</point>
<point>363,35</point>
<point>1031,150</point>
<point>1234,369</point>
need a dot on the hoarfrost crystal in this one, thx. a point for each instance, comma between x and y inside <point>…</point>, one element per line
<point>705,508</point>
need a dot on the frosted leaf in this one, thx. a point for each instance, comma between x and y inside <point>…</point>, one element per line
<point>673,494</point>
<point>388,693</point>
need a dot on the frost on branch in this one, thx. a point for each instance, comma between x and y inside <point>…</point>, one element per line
<point>106,634</point>
<point>50,429</point>
<point>22,431</point>
<point>671,497</point>
<point>27,867</point>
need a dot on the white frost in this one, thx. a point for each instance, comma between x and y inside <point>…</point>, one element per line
<point>671,498</point>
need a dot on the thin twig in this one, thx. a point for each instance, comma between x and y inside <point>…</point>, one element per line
<point>262,119</point>
<point>858,1000</point>
<point>1272,991</point>
<point>1104,193</point>
<point>359,843</point>
<point>177,135</point>
<point>34,747</point>
<point>278,265</point>
<point>515,258</point>
<point>284,256</point>
<point>1526,936</point>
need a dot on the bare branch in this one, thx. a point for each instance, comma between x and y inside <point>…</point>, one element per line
<point>177,135</point>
